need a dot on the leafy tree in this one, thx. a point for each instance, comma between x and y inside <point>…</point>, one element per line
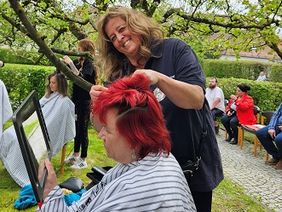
<point>54,26</point>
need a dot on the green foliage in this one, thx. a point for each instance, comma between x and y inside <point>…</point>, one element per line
<point>231,197</point>
<point>237,69</point>
<point>266,95</point>
<point>275,74</point>
<point>9,56</point>
<point>20,80</point>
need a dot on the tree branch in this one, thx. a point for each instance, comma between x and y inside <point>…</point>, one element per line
<point>240,25</point>
<point>45,49</point>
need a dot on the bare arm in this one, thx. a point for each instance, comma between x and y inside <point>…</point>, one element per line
<point>215,102</point>
<point>68,61</point>
<point>184,95</point>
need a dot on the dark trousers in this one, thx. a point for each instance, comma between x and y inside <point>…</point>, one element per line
<point>216,113</point>
<point>202,200</point>
<point>231,123</point>
<point>272,146</point>
<point>81,127</point>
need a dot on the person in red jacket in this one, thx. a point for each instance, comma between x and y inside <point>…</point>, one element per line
<point>244,113</point>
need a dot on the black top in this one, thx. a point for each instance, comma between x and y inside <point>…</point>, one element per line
<point>177,60</point>
<point>88,73</point>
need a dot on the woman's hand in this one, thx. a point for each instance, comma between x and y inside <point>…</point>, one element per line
<point>182,94</point>
<point>51,180</point>
<point>153,76</point>
<point>272,133</point>
<point>95,91</point>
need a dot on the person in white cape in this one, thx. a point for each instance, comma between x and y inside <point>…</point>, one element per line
<point>59,116</point>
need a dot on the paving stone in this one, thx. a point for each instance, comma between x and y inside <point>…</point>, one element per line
<point>259,180</point>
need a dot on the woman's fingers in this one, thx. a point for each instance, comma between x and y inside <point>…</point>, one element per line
<point>152,75</point>
<point>96,90</point>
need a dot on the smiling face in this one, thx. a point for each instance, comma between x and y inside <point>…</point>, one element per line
<point>115,144</point>
<point>122,38</point>
<point>53,84</point>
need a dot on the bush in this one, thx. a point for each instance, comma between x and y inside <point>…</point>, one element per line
<point>267,95</point>
<point>20,80</point>
<point>241,69</point>
<point>22,57</point>
<point>9,56</point>
<point>275,74</point>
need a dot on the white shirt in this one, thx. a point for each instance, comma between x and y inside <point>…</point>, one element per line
<point>261,78</point>
<point>155,183</point>
<point>212,95</point>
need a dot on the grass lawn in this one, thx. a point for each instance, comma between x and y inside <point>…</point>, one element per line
<point>227,197</point>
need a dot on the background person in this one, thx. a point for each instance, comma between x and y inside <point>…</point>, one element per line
<point>271,138</point>
<point>84,68</point>
<point>131,42</point>
<point>262,76</point>
<point>147,177</point>
<point>244,113</point>
<point>230,112</point>
<point>215,98</point>
<point>58,113</point>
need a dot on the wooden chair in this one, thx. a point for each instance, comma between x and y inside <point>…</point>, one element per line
<point>249,128</point>
<point>265,119</point>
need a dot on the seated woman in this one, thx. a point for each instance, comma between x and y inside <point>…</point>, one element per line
<point>58,112</point>
<point>147,177</point>
<point>244,113</point>
<point>271,138</point>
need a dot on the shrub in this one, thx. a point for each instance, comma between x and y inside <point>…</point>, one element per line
<point>275,74</point>
<point>267,95</point>
<point>241,69</point>
<point>20,80</point>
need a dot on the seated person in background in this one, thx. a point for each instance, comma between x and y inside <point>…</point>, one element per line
<point>58,112</point>
<point>230,112</point>
<point>147,177</point>
<point>215,98</point>
<point>262,76</point>
<point>231,106</point>
<point>244,113</point>
<point>271,138</point>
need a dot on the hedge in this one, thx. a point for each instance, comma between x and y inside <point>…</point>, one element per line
<point>20,80</point>
<point>266,95</point>
<point>242,69</point>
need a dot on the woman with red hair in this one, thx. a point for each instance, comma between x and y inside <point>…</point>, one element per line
<point>147,176</point>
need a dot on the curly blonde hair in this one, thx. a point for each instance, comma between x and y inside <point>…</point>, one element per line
<point>137,23</point>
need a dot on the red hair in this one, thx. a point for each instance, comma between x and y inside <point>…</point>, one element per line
<point>140,118</point>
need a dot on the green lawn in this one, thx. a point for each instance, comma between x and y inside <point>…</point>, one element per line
<point>228,197</point>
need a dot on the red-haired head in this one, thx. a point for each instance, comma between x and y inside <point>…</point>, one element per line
<point>139,117</point>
